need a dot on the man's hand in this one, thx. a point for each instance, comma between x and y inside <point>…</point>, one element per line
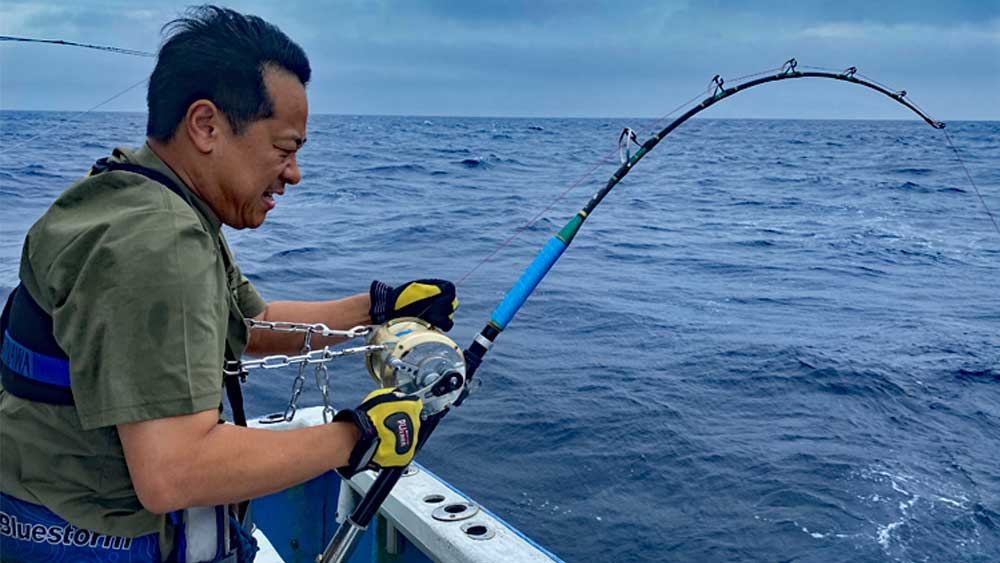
<point>431,300</point>
<point>389,423</point>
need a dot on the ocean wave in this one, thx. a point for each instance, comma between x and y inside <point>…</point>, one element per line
<point>983,375</point>
<point>755,243</point>
<point>36,171</point>
<point>913,171</point>
<point>476,163</point>
<point>297,252</point>
<point>488,161</point>
<point>864,384</point>
<point>395,169</point>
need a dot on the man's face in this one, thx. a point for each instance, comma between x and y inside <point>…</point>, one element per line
<point>252,169</point>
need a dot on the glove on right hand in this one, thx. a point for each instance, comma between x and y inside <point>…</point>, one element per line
<point>389,422</point>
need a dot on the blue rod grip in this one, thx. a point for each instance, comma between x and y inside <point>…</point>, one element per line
<point>527,283</point>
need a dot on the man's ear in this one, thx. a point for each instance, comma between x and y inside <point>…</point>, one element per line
<point>203,123</point>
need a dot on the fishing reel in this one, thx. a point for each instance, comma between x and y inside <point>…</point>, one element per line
<point>419,360</point>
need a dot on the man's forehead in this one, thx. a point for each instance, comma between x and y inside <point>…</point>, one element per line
<point>290,105</point>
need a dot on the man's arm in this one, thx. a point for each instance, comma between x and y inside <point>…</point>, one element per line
<point>340,314</point>
<point>192,460</point>
<point>432,300</point>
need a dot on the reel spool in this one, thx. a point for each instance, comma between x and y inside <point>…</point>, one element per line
<point>418,360</point>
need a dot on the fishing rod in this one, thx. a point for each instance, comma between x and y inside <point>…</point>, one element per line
<point>450,386</point>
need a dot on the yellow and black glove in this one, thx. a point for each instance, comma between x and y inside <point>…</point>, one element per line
<point>431,300</point>
<point>389,422</point>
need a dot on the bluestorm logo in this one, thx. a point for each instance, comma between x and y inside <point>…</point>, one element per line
<point>59,534</point>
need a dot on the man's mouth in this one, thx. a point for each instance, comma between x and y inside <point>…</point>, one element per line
<point>268,198</point>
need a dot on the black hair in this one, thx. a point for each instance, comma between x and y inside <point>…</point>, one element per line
<point>219,55</point>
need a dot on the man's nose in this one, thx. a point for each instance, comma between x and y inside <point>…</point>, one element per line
<point>292,174</point>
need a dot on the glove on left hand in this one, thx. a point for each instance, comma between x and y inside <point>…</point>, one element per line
<point>431,300</point>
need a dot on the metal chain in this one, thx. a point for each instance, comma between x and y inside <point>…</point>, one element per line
<point>299,382</point>
<point>307,357</point>
<point>320,356</point>
<point>307,328</point>
<point>323,383</point>
<point>293,399</point>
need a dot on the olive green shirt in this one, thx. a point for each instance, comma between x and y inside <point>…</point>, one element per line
<point>143,292</point>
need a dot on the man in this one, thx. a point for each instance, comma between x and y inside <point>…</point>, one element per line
<point>130,300</point>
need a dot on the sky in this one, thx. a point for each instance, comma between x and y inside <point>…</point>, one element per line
<point>538,58</point>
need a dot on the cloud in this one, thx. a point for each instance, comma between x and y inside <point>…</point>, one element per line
<point>552,56</point>
<point>983,33</point>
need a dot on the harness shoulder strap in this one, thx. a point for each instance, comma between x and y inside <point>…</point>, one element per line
<point>106,165</point>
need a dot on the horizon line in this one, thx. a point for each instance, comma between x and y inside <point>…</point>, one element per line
<point>426,116</point>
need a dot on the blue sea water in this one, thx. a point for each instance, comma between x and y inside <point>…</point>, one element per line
<point>774,341</point>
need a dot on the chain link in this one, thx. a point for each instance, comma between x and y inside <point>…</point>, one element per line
<point>323,383</point>
<point>300,381</point>
<point>293,399</point>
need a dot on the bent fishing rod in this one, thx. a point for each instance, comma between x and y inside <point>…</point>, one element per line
<point>451,386</point>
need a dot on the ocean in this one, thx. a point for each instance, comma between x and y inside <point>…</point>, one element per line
<point>774,340</point>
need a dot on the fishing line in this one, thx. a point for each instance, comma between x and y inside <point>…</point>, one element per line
<point>75,44</point>
<point>958,157</point>
<point>716,90</point>
<point>55,128</point>
<point>974,186</point>
<point>651,124</point>
<point>537,216</point>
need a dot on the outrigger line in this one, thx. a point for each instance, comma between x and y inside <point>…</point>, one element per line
<point>59,126</point>
<point>343,542</point>
<point>75,44</point>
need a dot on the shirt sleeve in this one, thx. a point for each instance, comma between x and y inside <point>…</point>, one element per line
<point>249,300</point>
<point>144,321</point>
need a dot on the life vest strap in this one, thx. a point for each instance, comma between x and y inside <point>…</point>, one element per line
<point>32,366</point>
<point>36,366</point>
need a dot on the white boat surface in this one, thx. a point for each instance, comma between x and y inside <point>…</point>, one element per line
<point>423,519</point>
